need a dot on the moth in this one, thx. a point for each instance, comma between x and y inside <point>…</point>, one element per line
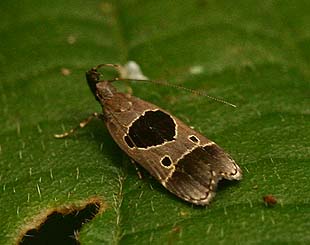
<point>184,161</point>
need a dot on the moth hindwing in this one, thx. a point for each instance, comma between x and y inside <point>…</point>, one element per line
<point>185,162</point>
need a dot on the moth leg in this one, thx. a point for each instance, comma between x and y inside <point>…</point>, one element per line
<point>137,168</point>
<point>82,124</point>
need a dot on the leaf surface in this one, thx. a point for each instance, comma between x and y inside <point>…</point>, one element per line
<point>253,54</point>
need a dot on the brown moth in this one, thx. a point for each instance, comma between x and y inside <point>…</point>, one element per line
<point>185,162</point>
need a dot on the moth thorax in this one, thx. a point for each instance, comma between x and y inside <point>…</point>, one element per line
<point>104,90</point>
<point>120,103</point>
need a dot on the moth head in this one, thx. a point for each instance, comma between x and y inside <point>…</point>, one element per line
<point>93,77</point>
<point>101,89</point>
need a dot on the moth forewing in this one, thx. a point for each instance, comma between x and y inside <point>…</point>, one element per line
<point>184,161</point>
<point>181,159</point>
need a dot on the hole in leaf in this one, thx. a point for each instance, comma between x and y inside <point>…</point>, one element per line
<point>62,226</point>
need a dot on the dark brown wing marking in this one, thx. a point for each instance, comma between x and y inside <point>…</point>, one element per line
<point>153,128</point>
<point>197,173</point>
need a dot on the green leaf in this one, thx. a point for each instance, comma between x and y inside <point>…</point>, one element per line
<point>252,53</point>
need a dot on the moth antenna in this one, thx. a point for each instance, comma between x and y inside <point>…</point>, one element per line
<point>117,67</point>
<point>108,65</point>
<point>178,87</point>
